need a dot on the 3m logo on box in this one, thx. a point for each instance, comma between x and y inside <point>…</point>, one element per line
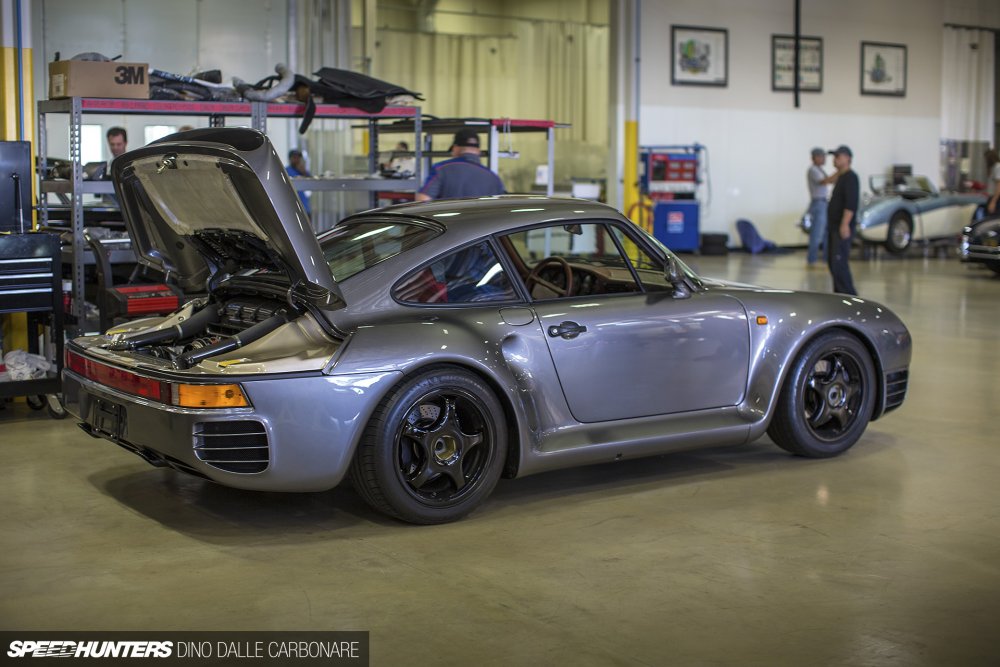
<point>82,78</point>
<point>130,74</point>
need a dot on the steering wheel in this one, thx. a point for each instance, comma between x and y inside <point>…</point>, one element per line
<point>534,278</point>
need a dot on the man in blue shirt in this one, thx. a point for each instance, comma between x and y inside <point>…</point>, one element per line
<point>297,167</point>
<point>463,175</point>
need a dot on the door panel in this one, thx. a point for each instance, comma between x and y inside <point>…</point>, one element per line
<point>946,221</point>
<point>647,354</point>
<point>937,222</point>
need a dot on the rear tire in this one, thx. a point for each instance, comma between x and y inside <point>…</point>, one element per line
<point>434,449</point>
<point>827,399</point>
<point>900,233</point>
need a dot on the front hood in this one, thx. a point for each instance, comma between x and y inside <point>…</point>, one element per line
<point>881,200</point>
<point>719,283</point>
<point>216,202</point>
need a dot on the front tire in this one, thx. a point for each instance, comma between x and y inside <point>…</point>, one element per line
<point>900,233</point>
<point>434,449</point>
<point>827,399</point>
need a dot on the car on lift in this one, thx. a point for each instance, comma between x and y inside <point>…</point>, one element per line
<point>981,243</point>
<point>910,209</point>
<point>424,351</point>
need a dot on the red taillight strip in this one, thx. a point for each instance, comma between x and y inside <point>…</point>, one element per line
<point>117,378</point>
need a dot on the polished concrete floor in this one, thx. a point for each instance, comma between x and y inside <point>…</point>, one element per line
<point>888,555</point>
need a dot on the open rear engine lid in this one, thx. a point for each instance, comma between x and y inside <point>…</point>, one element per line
<point>212,202</point>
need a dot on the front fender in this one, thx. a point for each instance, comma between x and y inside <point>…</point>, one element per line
<point>873,225</point>
<point>801,317</point>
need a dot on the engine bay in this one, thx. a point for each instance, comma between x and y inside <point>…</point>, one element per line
<point>209,328</point>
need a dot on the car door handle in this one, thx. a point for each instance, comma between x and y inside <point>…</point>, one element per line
<point>566,330</point>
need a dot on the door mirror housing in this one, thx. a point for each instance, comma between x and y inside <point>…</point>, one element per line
<point>675,275</point>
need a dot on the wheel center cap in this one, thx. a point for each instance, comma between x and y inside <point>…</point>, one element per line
<point>446,449</point>
<point>836,395</point>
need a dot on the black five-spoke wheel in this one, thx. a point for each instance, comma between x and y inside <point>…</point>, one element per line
<point>434,448</point>
<point>438,459</point>
<point>827,399</point>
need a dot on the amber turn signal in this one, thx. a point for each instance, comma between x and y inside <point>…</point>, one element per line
<point>762,319</point>
<point>209,396</point>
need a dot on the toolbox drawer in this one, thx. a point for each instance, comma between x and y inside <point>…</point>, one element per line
<point>29,272</point>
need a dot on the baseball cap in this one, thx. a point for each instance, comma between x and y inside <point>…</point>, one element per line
<point>842,149</point>
<point>816,152</point>
<point>466,137</point>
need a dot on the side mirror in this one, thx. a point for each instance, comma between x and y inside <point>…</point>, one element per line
<point>673,273</point>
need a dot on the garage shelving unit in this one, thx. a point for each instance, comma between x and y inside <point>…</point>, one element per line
<point>217,112</point>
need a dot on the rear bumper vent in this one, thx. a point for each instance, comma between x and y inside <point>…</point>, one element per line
<point>232,446</point>
<point>895,389</point>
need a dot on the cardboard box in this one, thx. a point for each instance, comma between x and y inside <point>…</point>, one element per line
<point>84,78</point>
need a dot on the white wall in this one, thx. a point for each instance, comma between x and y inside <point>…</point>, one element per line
<point>758,142</point>
<point>243,38</point>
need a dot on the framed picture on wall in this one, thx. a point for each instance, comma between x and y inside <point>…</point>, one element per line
<point>699,56</point>
<point>783,63</point>
<point>883,69</point>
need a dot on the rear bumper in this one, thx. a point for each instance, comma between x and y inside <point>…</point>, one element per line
<point>299,435</point>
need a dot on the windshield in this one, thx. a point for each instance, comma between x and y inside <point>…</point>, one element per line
<point>904,184</point>
<point>350,249</point>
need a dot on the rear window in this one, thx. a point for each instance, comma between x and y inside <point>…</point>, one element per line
<point>352,248</point>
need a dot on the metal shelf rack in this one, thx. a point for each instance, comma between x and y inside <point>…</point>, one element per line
<point>494,128</point>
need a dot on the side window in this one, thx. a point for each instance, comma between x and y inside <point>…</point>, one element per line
<point>649,268</point>
<point>570,260</point>
<point>471,275</point>
<point>353,247</point>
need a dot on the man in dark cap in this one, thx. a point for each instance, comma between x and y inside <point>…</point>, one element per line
<point>841,214</point>
<point>463,175</point>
